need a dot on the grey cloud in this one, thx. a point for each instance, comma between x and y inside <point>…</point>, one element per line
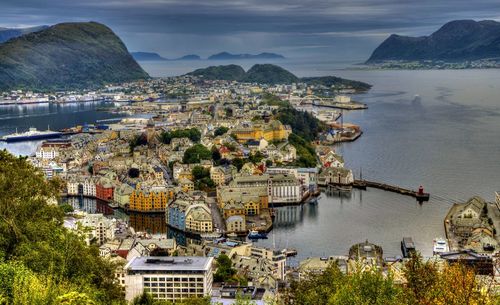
<point>176,27</point>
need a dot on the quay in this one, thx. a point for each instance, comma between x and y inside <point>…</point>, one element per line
<point>419,195</point>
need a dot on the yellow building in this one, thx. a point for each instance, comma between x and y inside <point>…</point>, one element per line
<point>199,219</point>
<point>152,200</point>
<point>272,131</point>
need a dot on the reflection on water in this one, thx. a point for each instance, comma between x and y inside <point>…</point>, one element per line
<point>150,223</point>
<point>89,205</point>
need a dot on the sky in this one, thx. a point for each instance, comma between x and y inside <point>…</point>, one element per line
<point>333,29</point>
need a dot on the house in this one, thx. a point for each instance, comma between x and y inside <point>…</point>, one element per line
<point>122,194</point>
<point>186,185</point>
<point>104,189</point>
<point>236,223</point>
<point>335,175</point>
<point>199,218</point>
<point>222,175</point>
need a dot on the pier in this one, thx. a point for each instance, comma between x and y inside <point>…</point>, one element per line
<point>419,195</point>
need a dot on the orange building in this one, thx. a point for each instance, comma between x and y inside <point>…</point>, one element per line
<point>150,200</point>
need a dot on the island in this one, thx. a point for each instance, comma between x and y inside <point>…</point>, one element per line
<point>229,56</point>
<point>457,44</point>
<point>273,74</point>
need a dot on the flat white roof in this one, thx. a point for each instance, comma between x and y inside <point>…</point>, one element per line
<point>169,263</point>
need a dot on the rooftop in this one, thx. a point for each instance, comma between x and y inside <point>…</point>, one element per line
<point>160,263</point>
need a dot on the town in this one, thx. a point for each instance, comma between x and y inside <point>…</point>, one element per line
<point>212,161</point>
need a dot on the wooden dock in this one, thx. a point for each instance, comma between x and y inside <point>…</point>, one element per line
<point>363,184</point>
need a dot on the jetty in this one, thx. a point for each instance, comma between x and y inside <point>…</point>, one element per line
<point>419,195</point>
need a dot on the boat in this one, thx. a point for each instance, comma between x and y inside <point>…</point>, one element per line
<point>210,235</point>
<point>233,235</point>
<point>256,235</point>
<point>30,135</point>
<point>407,246</point>
<point>289,252</point>
<point>440,246</point>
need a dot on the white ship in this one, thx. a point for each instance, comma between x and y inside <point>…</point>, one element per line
<point>31,134</point>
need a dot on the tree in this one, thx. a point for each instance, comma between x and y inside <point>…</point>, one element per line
<point>196,153</point>
<point>225,269</point>
<point>199,172</point>
<point>138,140</point>
<point>66,208</point>
<point>216,154</point>
<point>134,172</point>
<point>220,131</point>
<point>193,134</point>
<point>32,235</point>
<point>238,163</point>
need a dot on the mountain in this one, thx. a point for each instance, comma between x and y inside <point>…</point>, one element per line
<point>146,56</point>
<point>67,56</point>
<point>150,56</point>
<point>272,74</point>
<point>229,56</point>
<point>229,72</point>
<point>189,57</point>
<point>458,40</point>
<point>269,74</point>
<point>6,34</point>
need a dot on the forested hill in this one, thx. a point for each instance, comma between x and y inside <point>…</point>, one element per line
<point>67,56</point>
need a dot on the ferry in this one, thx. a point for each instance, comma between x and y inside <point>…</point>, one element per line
<point>30,135</point>
<point>256,235</point>
<point>440,246</point>
<point>407,246</point>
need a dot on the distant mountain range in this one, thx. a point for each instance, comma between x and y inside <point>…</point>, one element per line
<point>66,56</point>
<point>455,41</point>
<point>150,56</point>
<point>271,74</point>
<point>229,56</point>
<point>6,34</point>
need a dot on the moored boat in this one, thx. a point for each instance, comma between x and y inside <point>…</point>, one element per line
<point>31,134</point>
<point>440,246</point>
<point>256,235</point>
<point>407,246</point>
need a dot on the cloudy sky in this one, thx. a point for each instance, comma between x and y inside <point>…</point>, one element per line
<point>347,29</point>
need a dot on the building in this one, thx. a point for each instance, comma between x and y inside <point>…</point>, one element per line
<point>104,189</point>
<point>222,175</point>
<point>199,218</point>
<point>169,278</point>
<point>279,188</point>
<point>335,175</point>
<point>236,223</point>
<point>97,228</point>
<point>150,199</point>
<point>272,131</point>
<point>122,193</point>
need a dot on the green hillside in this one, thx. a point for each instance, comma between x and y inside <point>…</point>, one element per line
<point>67,56</point>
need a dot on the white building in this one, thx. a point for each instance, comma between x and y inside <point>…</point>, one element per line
<point>97,228</point>
<point>169,278</point>
<point>47,153</point>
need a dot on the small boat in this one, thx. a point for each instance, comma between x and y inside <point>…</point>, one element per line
<point>289,252</point>
<point>232,235</point>
<point>440,246</point>
<point>256,235</point>
<point>210,236</point>
<point>407,247</point>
